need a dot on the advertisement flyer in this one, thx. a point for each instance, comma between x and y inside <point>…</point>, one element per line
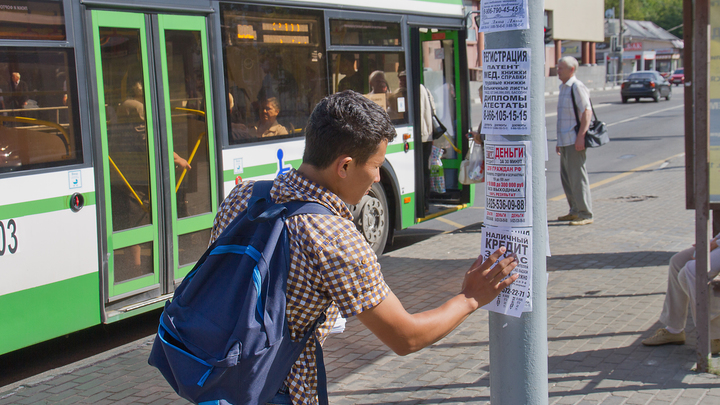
<point>506,91</point>
<point>515,299</point>
<point>714,95</point>
<point>508,183</point>
<point>503,15</point>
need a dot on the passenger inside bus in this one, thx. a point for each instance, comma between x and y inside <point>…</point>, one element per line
<point>352,80</point>
<point>280,84</point>
<point>267,125</point>
<point>396,100</point>
<point>19,89</point>
<point>378,83</point>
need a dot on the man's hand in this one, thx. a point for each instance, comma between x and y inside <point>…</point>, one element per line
<point>180,162</point>
<point>406,333</point>
<point>585,118</point>
<point>557,150</point>
<point>484,281</point>
<point>715,284</point>
<point>580,142</point>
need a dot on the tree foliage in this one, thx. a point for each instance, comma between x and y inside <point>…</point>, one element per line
<point>665,13</point>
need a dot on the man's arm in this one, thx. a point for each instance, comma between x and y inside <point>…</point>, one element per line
<point>406,333</point>
<point>584,125</point>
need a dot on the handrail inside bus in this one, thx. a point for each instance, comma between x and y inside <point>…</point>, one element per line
<point>197,144</point>
<point>198,112</point>
<point>132,190</point>
<point>190,159</point>
<point>65,138</point>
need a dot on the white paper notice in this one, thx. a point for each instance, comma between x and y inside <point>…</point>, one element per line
<point>508,185</point>
<point>503,15</point>
<point>506,91</point>
<point>515,299</point>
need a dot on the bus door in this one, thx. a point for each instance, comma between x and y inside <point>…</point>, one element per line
<point>158,152</point>
<point>441,56</point>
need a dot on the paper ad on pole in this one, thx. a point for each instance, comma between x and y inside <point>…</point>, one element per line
<point>515,299</point>
<point>508,183</point>
<point>503,15</point>
<point>506,91</point>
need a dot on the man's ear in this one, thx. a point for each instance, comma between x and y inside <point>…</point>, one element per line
<point>341,166</point>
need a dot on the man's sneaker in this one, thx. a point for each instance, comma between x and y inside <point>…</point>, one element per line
<point>582,221</point>
<point>568,217</point>
<point>663,337</point>
<point>715,346</point>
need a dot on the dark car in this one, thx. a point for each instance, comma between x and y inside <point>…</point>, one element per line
<point>647,84</point>
<point>678,77</point>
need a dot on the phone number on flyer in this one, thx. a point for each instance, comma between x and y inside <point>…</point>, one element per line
<point>505,204</point>
<point>505,115</point>
<point>501,9</point>
<point>514,292</point>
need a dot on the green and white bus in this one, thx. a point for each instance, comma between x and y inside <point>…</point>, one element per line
<point>123,124</point>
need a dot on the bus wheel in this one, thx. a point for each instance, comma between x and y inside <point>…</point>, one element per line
<point>372,220</point>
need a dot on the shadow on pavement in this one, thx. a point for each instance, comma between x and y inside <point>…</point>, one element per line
<point>606,261</point>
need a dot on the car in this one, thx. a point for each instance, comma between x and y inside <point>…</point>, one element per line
<point>645,84</point>
<point>678,77</point>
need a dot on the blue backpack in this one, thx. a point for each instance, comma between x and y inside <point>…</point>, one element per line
<point>224,339</point>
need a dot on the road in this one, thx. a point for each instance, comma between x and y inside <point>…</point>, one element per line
<point>641,133</point>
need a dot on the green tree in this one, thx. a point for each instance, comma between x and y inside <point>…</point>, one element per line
<point>666,14</point>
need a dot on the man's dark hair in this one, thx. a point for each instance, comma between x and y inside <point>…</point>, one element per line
<point>345,123</point>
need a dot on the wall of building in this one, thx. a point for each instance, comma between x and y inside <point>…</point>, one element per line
<point>592,76</point>
<point>582,20</point>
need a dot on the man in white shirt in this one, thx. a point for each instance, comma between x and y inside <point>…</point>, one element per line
<point>571,142</point>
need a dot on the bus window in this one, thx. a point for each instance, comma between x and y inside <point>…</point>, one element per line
<point>274,70</point>
<point>380,76</point>
<point>32,19</point>
<point>364,33</point>
<point>38,109</point>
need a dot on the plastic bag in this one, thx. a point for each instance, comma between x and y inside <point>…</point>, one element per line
<point>472,168</point>
<point>437,173</point>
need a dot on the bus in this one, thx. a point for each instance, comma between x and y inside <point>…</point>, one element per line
<point>123,125</point>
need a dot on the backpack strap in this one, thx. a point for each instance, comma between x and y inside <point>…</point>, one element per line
<point>322,391</point>
<point>306,207</point>
<point>261,190</point>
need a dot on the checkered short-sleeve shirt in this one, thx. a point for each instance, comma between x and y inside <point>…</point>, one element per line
<point>331,266</point>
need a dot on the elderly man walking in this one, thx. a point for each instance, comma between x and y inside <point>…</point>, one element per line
<point>571,142</point>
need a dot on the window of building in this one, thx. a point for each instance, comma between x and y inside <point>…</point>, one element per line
<point>274,69</point>
<point>39,124</point>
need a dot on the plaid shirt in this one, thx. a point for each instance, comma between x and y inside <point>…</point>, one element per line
<point>331,266</point>
<point>566,121</point>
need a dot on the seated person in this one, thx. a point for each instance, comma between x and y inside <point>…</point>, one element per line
<point>268,125</point>
<point>680,293</point>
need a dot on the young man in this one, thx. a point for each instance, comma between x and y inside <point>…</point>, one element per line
<point>571,142</point>
<point>333,269</point>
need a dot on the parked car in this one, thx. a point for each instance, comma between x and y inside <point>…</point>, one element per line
<point>647,84</point>
<point>678,77</point>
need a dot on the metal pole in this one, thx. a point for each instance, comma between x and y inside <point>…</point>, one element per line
<point>518,346</point>
<point>688,32</point>
<point>701,78</point>
<point>621,42</point>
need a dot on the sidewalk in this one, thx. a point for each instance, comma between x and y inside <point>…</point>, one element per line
<point>606,287</point>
